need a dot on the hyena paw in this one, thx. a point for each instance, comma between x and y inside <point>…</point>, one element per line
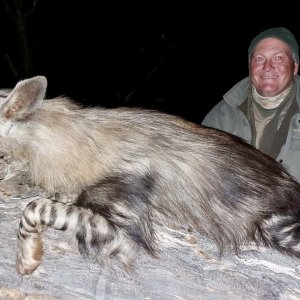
<point>28,259</point>
<point>26,265</point>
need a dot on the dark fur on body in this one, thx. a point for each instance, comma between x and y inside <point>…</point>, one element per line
<point>131,168</point>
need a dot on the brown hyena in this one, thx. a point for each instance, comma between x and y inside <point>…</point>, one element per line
<point>130,168</point>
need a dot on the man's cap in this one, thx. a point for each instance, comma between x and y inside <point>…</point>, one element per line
<point>280,33</point>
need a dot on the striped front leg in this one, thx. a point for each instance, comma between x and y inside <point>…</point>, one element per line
<point>30,244</point>
<point>37,216</point>
<point>97,237</point>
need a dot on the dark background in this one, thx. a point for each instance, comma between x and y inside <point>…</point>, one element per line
<point>179,58</point>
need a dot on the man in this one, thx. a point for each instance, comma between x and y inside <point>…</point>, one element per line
<point>263,108</point>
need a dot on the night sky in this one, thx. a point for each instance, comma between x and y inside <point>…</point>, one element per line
<point>172,58</point>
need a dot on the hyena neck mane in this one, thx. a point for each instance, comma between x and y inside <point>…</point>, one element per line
<point>64,147</point>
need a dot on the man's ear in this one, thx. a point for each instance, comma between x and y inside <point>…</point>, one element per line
<point>296,68</point>
<point>24,99</point>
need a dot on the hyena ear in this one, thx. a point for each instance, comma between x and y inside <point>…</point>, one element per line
<point>24,99</point>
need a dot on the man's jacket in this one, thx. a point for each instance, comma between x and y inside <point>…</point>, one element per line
<point>227,116</point>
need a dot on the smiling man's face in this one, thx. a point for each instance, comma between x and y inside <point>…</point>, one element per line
<point>272,67</point>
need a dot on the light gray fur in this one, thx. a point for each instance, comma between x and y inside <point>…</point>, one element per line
<point>129,168</point>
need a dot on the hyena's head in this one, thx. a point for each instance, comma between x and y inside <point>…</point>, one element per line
<point>23,101</point>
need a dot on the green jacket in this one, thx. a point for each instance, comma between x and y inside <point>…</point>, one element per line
<point>227,116</point>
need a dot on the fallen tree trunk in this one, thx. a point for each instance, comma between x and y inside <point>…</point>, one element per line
<point>188,266</point>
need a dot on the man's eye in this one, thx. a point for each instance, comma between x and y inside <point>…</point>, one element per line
<point>259,59</point>
<point>279,58</point>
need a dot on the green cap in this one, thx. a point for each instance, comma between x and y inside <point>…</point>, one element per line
<point>280,33</point>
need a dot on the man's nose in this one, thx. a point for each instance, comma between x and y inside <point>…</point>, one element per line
<point>268,65</point>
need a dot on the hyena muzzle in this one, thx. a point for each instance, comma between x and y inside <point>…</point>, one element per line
<point>131,168</point>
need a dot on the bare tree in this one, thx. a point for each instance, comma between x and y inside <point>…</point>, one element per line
<point>19,14</point>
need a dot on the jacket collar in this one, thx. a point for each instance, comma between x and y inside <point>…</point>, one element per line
<point>238,93</point>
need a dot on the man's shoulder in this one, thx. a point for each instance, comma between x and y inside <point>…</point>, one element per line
<point>238,93</point>
<point>221,115</point>
<point>234,97</point>
<point>226,110</point>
